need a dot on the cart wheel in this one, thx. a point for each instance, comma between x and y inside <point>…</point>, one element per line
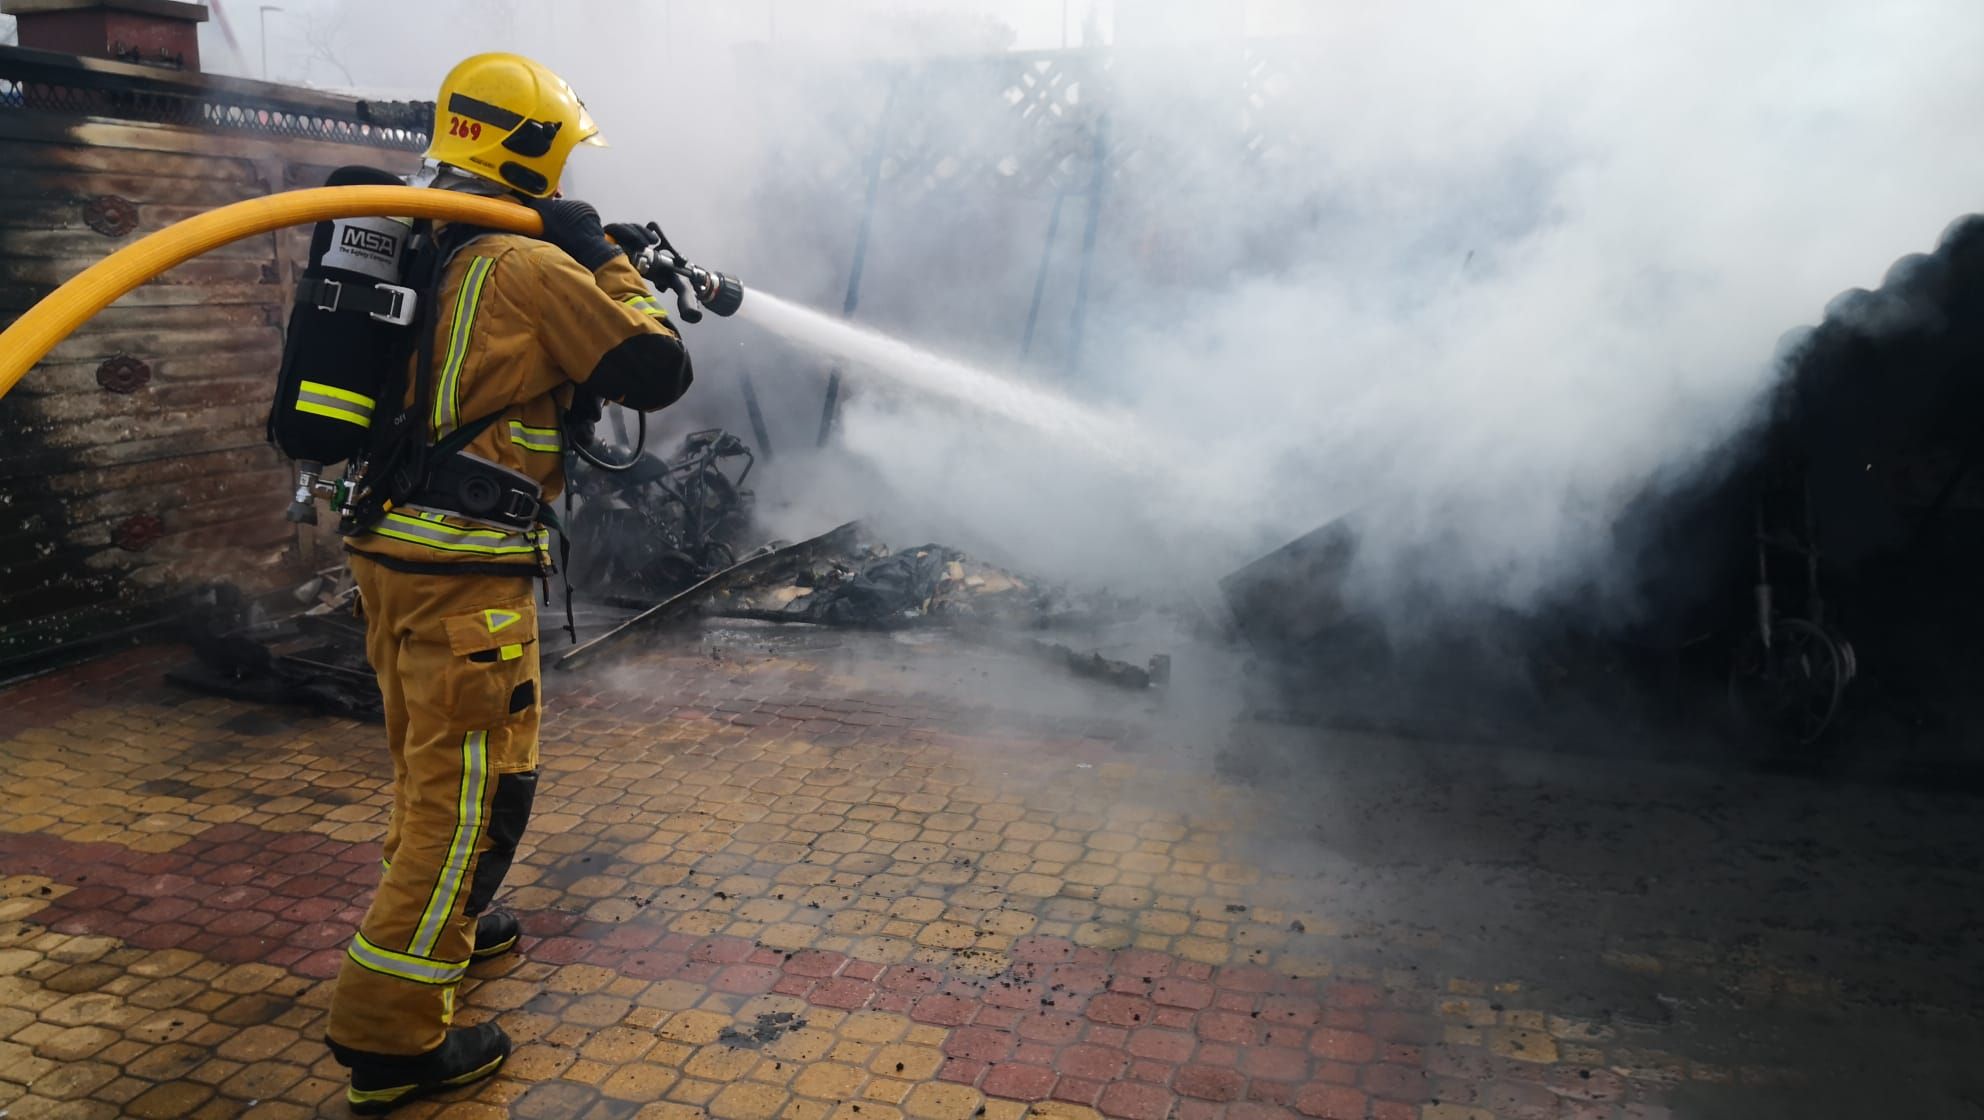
<point>1792,690</point>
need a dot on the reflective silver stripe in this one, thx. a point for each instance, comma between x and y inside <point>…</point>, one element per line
<point>535,439</point>
<point>428,530</point>
<point>420,970</point>
<point>468,829</point>
<point>348,402</point>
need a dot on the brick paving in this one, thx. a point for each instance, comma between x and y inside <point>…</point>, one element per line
<point>752,888</point>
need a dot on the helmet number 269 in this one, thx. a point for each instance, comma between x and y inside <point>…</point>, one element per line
<point>469,129</point>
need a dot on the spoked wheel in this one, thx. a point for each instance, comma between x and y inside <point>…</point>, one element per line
<point>1792,690</point>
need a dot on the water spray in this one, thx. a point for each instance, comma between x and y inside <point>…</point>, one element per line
<point>1111,438</point>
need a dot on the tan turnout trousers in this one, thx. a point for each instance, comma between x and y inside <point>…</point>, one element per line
<point>457,661</point>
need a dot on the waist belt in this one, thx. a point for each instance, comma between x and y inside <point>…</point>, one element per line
<point>472,487</point>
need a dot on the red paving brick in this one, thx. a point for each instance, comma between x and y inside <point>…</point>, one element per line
<point>1019,1082</point>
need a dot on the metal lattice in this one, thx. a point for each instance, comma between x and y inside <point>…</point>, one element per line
<point>38,81</point>
<point>1028,124</point>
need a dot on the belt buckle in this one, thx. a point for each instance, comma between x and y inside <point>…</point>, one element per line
<point>520,506</point>
<point>404,303</point>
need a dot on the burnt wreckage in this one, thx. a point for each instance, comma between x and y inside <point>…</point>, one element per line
<point>1819,583</point>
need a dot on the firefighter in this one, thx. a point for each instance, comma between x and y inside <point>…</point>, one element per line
<point>519,325</point>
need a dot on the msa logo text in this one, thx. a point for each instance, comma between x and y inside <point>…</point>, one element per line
<point>363,240</point>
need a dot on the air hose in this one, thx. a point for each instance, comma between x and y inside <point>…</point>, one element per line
<point>48,322</point>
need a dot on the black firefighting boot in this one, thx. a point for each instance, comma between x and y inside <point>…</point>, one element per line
<point>383,1082</point>
<point>496,933</point>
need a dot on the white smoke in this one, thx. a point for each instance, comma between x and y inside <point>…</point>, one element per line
<point>1532,257</point>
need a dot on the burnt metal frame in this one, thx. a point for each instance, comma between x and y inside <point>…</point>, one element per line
<point>46,81</point>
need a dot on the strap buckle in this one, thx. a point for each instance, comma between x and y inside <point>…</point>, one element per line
<point>401,303</point>
<point>328,294</point>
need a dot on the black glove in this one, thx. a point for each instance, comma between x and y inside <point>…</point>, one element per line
<point>574,227</point>
<point>632,237</point>
<point>584,412</point>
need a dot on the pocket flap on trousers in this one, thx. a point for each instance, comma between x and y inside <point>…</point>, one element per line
<point>498,629</point>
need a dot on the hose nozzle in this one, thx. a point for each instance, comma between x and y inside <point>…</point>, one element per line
<point>717,292</point>
<point>713,291</point>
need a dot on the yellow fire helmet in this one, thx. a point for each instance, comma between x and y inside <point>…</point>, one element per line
<point>511,121</point>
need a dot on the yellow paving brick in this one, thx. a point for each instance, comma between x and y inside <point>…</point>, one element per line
<point>86,1009</point>
<point>1035,885</point>
<point>670,995</point>
<point>262,1080</point>
<point>585,1071</point>
<point>788,935</point>
<point>244,978</point>
<point>882,950</point>
<point>618,1045</point>
<point>1468,1012</point>
<point>806,1045</point>
<point>1579,1030</point>
<point>538,1062</point>
<point>74,1044</point>
<point>169,1102</point>
<point>886,1089</point>
<point>694,1091</point>
<point>719,1062</point>
<point>829,1081</point>
<point>848,1052</point>
<point>874,1026</point>
<point>70,1080</point>
<point>668,1110</point>
<point>866,1110</point>
<point>748,1100</point>
<point>257,1044</point>
<point>639,1082</point>
<point>1061,1110</point>
<point>947,935</point>
<point>805,1108</point>
<point>1526,1020</point>
<point>1527,1046</point>
<point>694,1027</point>
<point>916,1063</point>
<point>597,1011</point>
<point>942,1101</point>
<point>579,979</point>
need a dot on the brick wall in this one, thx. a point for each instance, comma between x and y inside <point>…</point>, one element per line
<point>133,464</point>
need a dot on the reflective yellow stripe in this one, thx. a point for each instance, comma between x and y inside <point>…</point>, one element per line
<point>405,966</point>
<point>468,828</point>
<point>647,305</point>
<point>536,439</point>
<point>447,395</point>
<point>427,529</point>
<point>376,1096</point>
<point>334,412</point>
<point>511,653</point>
<point>320,389</point>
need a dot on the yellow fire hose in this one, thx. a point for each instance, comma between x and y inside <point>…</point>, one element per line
<point>58,314</point>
